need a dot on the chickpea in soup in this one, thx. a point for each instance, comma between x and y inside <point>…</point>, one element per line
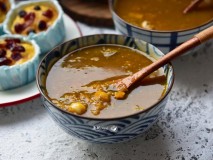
<point>163,15</point>
<point>79,82</point>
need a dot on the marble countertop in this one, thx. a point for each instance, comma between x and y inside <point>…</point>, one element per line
<point>185,130</point>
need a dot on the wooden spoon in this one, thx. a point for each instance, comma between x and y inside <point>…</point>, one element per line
<point>125,83</point>
<point>192,5</point>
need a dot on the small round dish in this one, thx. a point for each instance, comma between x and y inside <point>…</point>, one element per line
<point>163,40</point>
<point>19,74</point>
<point>47,39</point>
<point>1,23</point>
<point>103,130</point>
<point>30,91</point>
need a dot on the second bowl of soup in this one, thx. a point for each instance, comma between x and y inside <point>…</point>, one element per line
<point>74,80</point>
<point>160,22</point>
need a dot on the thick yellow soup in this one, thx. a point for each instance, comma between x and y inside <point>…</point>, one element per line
<point>80,82</point>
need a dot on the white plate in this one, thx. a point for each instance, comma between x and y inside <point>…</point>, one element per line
<point>30,91</point>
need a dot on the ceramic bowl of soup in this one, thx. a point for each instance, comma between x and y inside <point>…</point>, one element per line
<point>74,80</point>
<point>160,22</point>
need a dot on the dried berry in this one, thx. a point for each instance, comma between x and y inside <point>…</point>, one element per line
<point>22,13</point>
<point>2,53</point>
<point>48,13</point>
<point>10,45</point>
<point>18,48</point>
<point>31,31</point>
<point>2,45</point>
<point>42,25</point>
<point>5,61</point>
<point>3,7</point>
<point>29,16</point>
<point>19,28</point>
<point>37,8</point>
<point>16,56</point>
<point>13,40</point>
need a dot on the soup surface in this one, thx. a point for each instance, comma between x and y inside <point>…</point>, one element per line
<point>163,15</point>
<point>79,82</point>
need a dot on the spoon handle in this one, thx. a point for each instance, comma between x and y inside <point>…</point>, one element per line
<point>205,35</point>
<point>192,5</point>
<point>201,37</point>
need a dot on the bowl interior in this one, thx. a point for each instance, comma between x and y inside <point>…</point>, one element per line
<point>112,4</point>
<point>75,44</point>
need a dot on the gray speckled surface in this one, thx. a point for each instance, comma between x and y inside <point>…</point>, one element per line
<point>185,130</point>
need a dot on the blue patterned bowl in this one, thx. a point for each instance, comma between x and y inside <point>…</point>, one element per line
<point>96,129</point>
<point>163,40</point>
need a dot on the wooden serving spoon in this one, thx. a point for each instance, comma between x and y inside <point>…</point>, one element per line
<point>125,83</point>
<point>192,5</point>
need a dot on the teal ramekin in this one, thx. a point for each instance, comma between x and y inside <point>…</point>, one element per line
<point>20,74</point>
<point>48,39</point>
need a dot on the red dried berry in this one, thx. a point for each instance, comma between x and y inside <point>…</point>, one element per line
<point>19,28</point>
<point>10,45</point>
<point>2,45</point>
<point>13,40</point>
<point>30,16</point>
<point>2,53</point>
<point>18,48</point>
<point>42,25</point>
<point>48,13</point>
<point>5,61</point>
<point>16,56</point>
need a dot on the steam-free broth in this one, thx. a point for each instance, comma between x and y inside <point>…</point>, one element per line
<point>163,15</point>
<point>79,82</point>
